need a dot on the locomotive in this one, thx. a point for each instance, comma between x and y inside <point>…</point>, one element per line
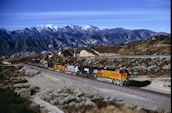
<point>113,75</point>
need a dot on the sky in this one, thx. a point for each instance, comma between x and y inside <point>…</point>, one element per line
<point>130,14</point>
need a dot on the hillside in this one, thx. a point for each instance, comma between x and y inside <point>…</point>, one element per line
<point>156,45</point>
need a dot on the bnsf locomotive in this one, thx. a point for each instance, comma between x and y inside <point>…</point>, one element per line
<point>113,75</point>
<point>116,76</point>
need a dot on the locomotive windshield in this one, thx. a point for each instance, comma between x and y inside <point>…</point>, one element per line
<point>124,71</point>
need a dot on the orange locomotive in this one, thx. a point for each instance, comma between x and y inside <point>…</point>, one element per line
<point>116,76</point>
<point>59,67</point>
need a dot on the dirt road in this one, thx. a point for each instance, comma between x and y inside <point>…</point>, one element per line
<point>127,95</point>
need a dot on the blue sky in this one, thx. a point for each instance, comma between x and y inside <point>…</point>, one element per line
<point>130,14</point>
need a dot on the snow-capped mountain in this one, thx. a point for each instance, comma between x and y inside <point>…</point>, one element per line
<point>71,28</point>
<point>51,38</point>
<point>38,29</point>
<point>48,27</point>
<point>52,29</point>
<point>90,28</point>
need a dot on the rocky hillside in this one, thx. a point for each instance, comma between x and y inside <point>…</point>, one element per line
<point>156,45</point>
<point>50,38</point>
<point>152,66</point>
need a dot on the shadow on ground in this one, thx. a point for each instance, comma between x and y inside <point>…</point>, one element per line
<point>139,83</point>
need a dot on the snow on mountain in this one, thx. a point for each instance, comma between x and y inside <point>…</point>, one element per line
<point>76,29</point>
<point>66,28</point>
<point>84,29</point>
<point>90,28</point>
<point>71,28</point>
<point>39,28</point>
<point>48,27</point>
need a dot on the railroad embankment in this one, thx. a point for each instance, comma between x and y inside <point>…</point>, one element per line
<point>50,93</point>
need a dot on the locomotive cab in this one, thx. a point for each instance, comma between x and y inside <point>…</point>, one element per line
<point>124,77</point>
<point>124,71</point>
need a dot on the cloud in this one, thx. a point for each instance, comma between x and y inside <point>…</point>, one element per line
<point>83,13</point>
<point>105,20</point>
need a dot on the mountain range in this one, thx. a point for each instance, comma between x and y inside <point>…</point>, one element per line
<point>46,38</point>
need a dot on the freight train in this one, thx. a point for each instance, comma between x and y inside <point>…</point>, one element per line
<point>113,75</point>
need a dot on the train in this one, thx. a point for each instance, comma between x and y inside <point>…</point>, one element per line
<point>112,75</point>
